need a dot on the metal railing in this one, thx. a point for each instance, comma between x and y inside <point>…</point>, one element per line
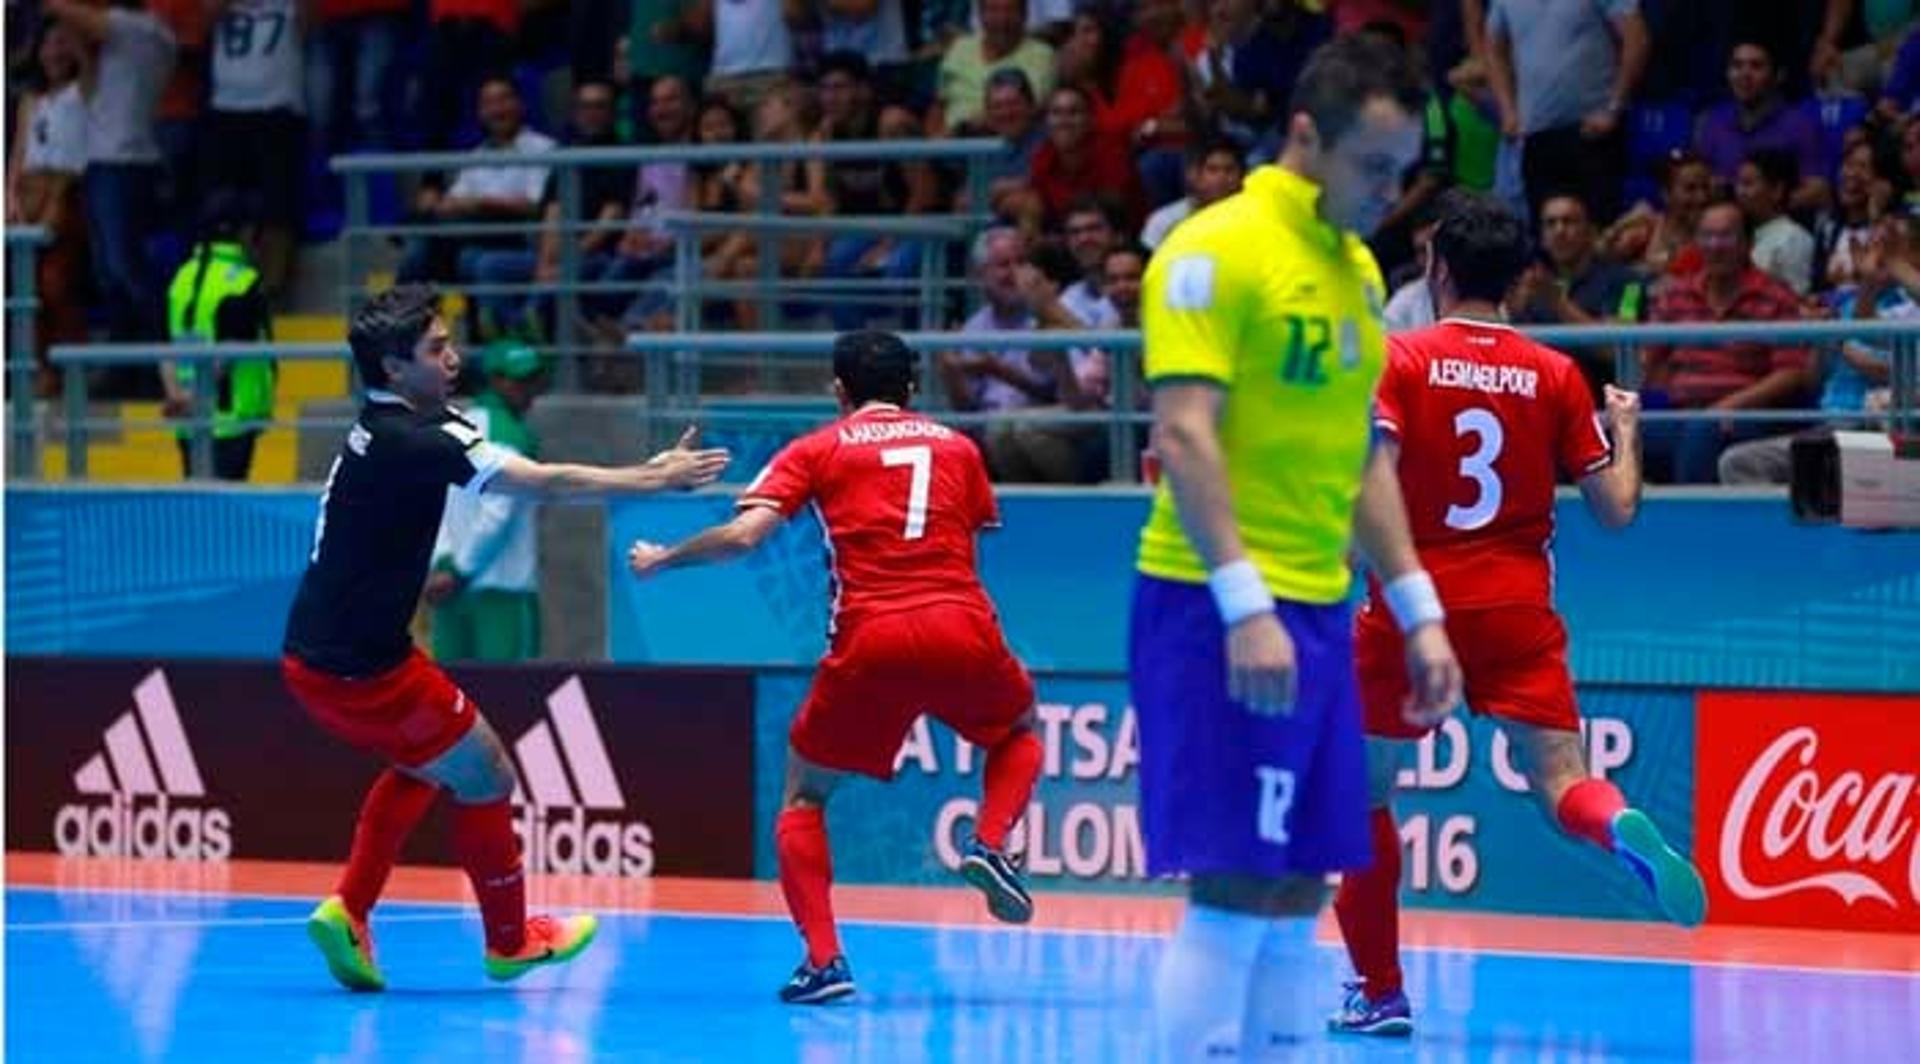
<point>23,305</point>
<point>673,362</point>
<point>566,165</point>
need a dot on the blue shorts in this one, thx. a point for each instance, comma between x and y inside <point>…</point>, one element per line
<point>1223,791</point>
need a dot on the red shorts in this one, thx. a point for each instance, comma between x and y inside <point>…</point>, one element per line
<point>411,713</point>
<point>1514,659</point>
<point>948,662</point>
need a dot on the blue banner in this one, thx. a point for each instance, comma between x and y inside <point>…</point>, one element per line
<point>1471,836</point>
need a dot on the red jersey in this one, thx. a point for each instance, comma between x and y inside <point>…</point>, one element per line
<point>1486,418</point>
<point>900,500</point>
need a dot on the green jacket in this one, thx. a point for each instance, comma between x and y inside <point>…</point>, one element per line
<point>215,274</point>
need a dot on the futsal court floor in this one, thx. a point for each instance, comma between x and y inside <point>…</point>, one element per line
<point>133,961</point>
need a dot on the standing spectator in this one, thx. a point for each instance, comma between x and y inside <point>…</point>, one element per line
<point>177,117</point>
<point>1149,113</point>
<point>1660,242</point>
<point>1564,72</point>
<point>1760,117</point>
<point>1859,198</point>
<point>484,584</point>
<point>1001,42</point>
<point>43,189</point>
<point>876,29</point>
<point>1901,93</point>
<point>1215,169</point>
<point>256,136</point>
<point>752,46</point>
<point>604,195</point>
<point>1245,72</point>
<point>132,56</point>
<point>1077,161</point>
<point>1575,285</point>
<point>217,296</point>
<point>469,43</point>
<point>1889,283</point>
<point>1781,246</point>
<point>663,40</point>
<point>1746,375</point>
<point>353,49</point>
<point>487,193</point>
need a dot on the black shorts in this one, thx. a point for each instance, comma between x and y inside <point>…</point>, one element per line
<point>262,156</point>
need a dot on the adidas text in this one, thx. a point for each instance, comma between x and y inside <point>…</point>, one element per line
<point>564,842</point>
<point>570,810</point>
<point>151,827</point>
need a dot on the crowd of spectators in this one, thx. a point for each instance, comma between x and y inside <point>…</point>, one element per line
<point>1681,160</point>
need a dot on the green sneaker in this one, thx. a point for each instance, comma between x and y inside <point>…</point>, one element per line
<point>346,944</point>
<point>550,940</point>
<point>1675,883</point>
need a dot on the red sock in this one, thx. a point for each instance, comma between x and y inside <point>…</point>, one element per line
<point>1368,907</point>
<point>806,878</point>
<point>393,808</point>
<point>1011,769</point>
<point>1588,809</point>
<point>484,841</point>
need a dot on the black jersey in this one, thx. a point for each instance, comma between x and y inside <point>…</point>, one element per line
<point>374,538</point>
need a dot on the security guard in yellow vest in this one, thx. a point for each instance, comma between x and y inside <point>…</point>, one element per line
<point>216,297</point>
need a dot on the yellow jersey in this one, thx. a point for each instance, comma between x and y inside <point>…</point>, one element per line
<point>1284,311</point>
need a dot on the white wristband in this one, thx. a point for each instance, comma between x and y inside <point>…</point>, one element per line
<point>1239,592</point>
<point>1414,600</point>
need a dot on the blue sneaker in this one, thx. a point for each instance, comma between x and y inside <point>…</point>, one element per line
<point>998,877</point>
<point>1674,882</point>
<point>1389,1016</point>
<point>817,986</point>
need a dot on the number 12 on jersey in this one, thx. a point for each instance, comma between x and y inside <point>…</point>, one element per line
<point>920,460</point>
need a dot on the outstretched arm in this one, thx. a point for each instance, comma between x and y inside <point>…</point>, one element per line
<point>748,529</point>
<point>682,466</point>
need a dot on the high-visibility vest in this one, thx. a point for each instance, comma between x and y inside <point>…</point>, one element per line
<point>215,272</point>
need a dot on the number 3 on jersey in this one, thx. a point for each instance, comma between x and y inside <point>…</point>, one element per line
<point>1477,466</point>
<point>920,459</point>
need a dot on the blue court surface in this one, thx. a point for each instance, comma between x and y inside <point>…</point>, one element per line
<point>110,976</point>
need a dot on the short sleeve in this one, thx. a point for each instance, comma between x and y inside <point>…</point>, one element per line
<point>455,453</point>
<point>1389,400</point>
<point>1190,318</point>
<point>787,483</point>
<point>1583,446</point>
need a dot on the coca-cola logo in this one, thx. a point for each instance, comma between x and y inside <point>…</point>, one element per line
<point>1801,818</point>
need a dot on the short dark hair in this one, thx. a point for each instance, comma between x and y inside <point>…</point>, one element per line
<point>1127,247</point>
<point>1748,40</point>
<point>1204,148</point>
<point>1346,73</point>
<point>390,325</point>
<point>846,61</point>
<point>1095,203</point>
<point>1777,167</point>
<point>1483,242</point>
<point>1010,78</point>
<point>874,365</point>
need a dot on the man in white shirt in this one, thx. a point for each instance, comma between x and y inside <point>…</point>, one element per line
<point>752,47</point>
<point>1215,168</point>
<point>482,193</point>
<point>255,125</point>
<point>1781,246</point>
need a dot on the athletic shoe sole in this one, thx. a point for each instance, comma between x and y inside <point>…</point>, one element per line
<point>1006,901</point>
<point>1677,886</point>
<point>833,992</point>
<point>332,935</point>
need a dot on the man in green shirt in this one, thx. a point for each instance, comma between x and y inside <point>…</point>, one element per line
<point>486,568</point>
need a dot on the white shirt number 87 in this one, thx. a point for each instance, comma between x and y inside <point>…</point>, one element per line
<point>1478,467</point>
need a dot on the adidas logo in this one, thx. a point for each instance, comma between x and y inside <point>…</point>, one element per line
<point>131,813</point>
<point>552,804</point>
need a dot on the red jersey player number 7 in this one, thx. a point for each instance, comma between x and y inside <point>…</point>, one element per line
<point>1483,420</point>
<point>900,501</point>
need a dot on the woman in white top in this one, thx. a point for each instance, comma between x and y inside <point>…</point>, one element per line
<point>43,189</point>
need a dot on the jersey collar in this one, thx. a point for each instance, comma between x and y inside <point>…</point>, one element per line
<point>1297,199</point>
<point>381,395</point>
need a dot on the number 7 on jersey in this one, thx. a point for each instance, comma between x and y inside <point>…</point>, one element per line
<point>920,459</point>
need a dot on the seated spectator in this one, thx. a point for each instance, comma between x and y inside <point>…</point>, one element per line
<point>647,245</point>
<point>1889,272</point>
<point>1012,114</point>
<point>1781,246</point>
<point>1121,271</point>
<point>1759,117</point>
<point>255,127</point>
<point>1411,304</point>
<point>1001,379</point>
<point>43,189</point>
<point>604,194</point>
<point>1076,161</point>
<point>1746,375</point>
<point>1860,197</point>
<point>1001,42</point>
<point>1657,243</point>
<point>483,193</point>
<point>1215,169</point>
<point>1574,285</point>
<point>1092,231</point>
<point>1149,112</point>
<point>779,120</point>
<point>1090,59</point>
